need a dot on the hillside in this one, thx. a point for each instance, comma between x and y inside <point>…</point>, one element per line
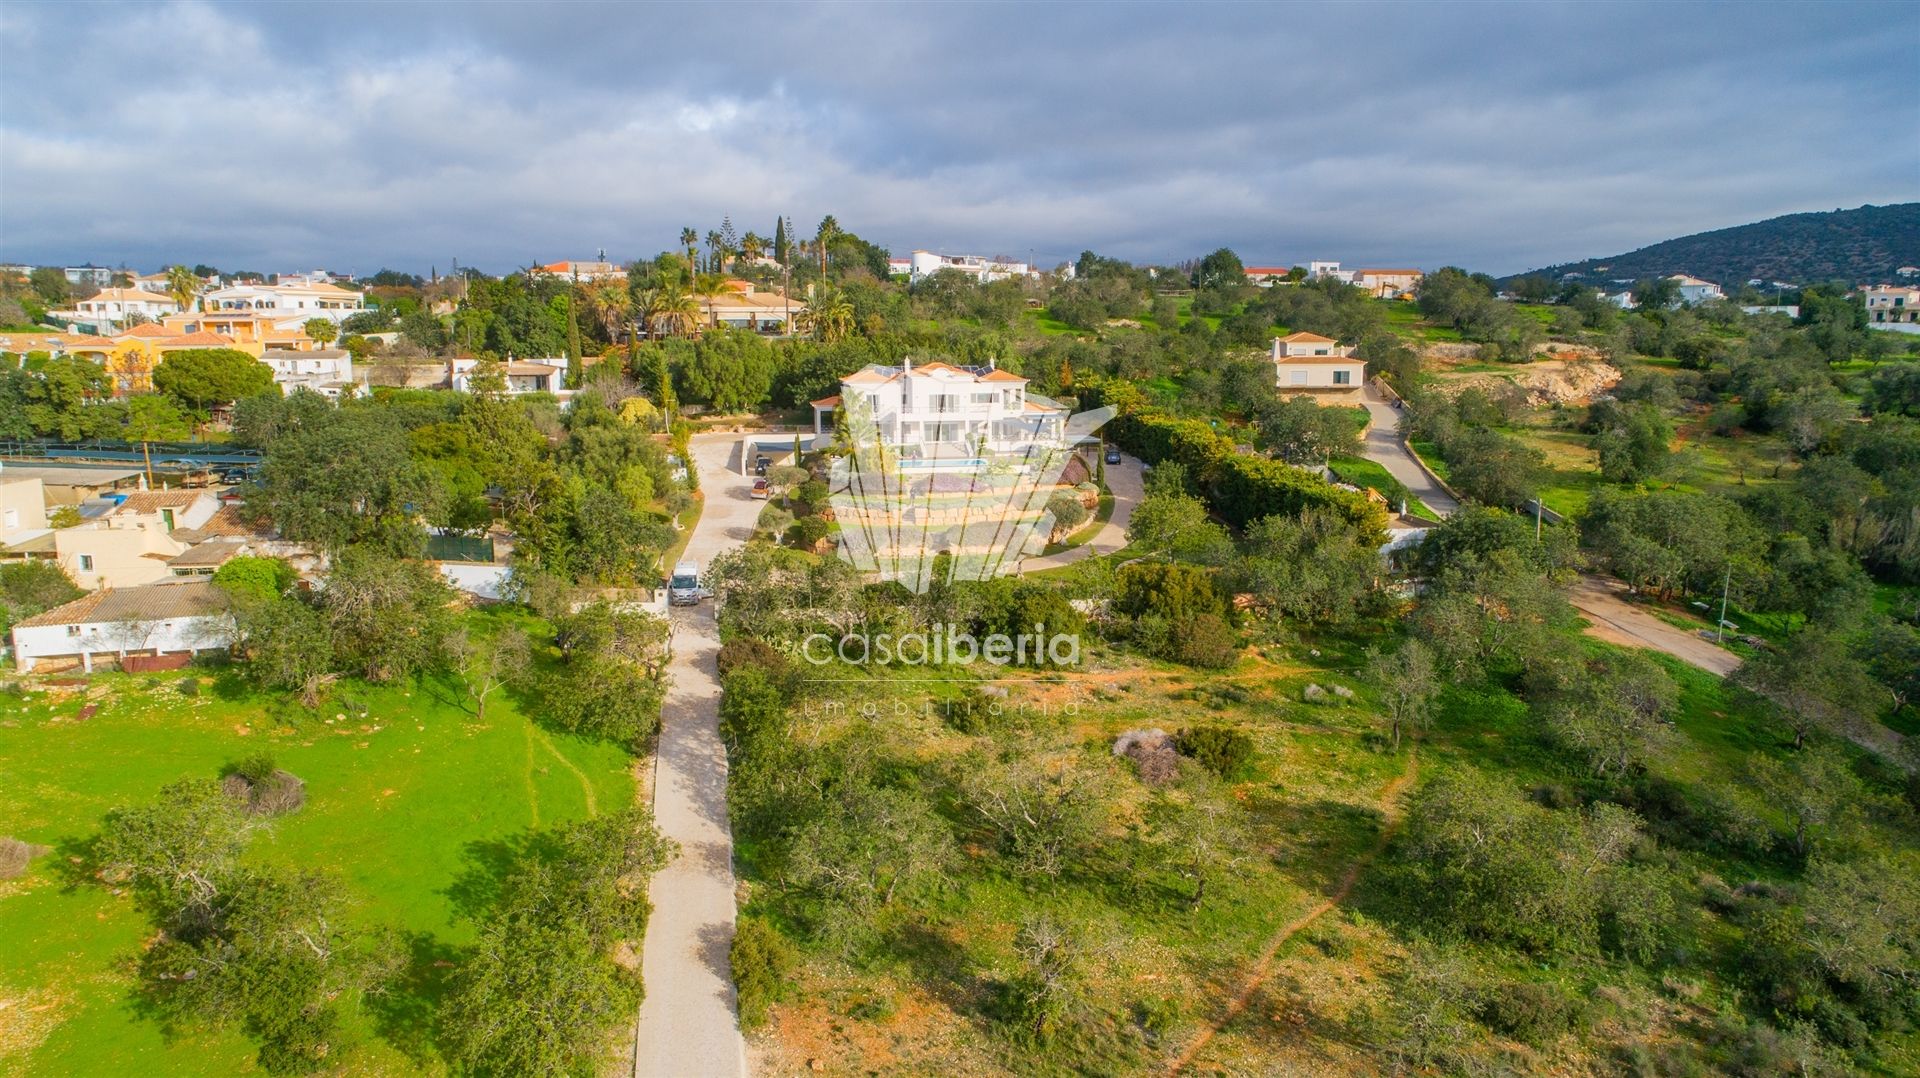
<point>1860,246</point>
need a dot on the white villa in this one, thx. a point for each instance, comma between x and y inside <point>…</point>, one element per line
<point>120,623</point>
<point>1312,365</point>
<point>113,306</point>
<point>326,371</point>
<point>942,410</point>
<point>287,300</point>
<point>925,264</point>
<point>1892,303</point>
<point>1695,290</point>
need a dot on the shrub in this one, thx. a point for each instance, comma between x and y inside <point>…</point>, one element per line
<point>1534,1013</point>
<point>1224,751</point>
<point>762,961</point>
<point>1207,641</point>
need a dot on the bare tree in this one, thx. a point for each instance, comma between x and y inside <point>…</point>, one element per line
<point>486,664</point>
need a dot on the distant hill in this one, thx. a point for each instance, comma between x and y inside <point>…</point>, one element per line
<point>1863,246</point>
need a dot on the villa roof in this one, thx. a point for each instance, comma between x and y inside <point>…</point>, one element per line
<point>828,402</point>
<point>1385,272</point>
<point>127,294</point>
<point>152,501</point>
<point>149,330</point>
<point>225,523</point>
<point>1306,338</point>
<point>998,375</point>
<point>151,602</point>
<point>215,553</point>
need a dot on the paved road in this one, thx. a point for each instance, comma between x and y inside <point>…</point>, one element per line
<point>1384,447</point>
<point>1601,599</point>
<point>1127,483</point>
<point>689,1025</point>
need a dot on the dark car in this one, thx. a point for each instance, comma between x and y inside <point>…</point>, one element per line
<point>233,476</point>
<point>1113,455</point>
<point>761,464</point>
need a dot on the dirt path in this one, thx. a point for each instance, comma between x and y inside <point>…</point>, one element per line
<point>689,1025</point>
<point>1611,618</point>
<point>1617,621</point>
<point>1389,805</point>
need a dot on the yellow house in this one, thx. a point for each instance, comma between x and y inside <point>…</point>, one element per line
<point>130,357</point>
<point>251,331</point>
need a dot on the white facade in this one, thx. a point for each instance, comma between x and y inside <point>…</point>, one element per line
<point>1695,290</point>
<point>159,619</point>
<point>1310,363</point>
<point>326,372</point>
<point>113,305</point>
<point>585,271</point>
<point>938,409</point>
<point>94,275</point>
<point>1892,304</point>
<point>1319,269</point>
<point>925,264</point>
<point>291,301</point>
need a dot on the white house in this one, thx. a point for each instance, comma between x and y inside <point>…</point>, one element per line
<point>1695,290</point>
<point>943,410</point>
<point>1266,276</point>
<point>925,264</point>
<point>1316,366</point>
<point>1622,299</point>
<point>90,274</point>
<point>187,616</point>
<point>522,376</point>
<point>899,267</point>
<point>1319,269</point>
<point>326,371</point>
<point>287,300</point>
<point>114,305</point>
<point>1892,303</point>
<point>741,306</point>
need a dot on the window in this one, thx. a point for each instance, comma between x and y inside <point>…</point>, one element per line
<point>1343,378</point>
<point>73,630</point>
<point>12,519</point>
<point>1299,378</point>
<point>86,563</point>
<point>166,517</point>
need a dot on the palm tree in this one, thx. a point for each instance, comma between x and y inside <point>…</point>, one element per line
<point>183,286</point>
<point>690,240</point>
<point>752,247</point>
<point>670,309</point>
<point>717,252</point>
<point>828,314</point>
<point>829,228</point>
<point>709,287</point>
<point>321,331</point>
<point>609,303</point>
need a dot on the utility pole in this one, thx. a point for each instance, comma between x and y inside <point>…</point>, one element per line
<point>1727,585</point>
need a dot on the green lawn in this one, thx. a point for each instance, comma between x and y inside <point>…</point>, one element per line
<point>399,787</point>
<point>1365,473</point>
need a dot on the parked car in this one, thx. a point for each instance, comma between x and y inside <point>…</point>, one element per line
<point>683,587</point>
<point>760,489</point>
<point>1113,454</point>
<point>233,475</point>
<point>761,464</point>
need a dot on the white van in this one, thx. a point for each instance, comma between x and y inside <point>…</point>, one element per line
<point>683,588</point>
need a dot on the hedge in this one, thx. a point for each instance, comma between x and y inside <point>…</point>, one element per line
<point>1238,488</point>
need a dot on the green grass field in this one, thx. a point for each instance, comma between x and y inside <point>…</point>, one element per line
<point>399,789</point>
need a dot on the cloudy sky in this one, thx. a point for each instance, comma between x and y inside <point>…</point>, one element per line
<point>1495,136</point>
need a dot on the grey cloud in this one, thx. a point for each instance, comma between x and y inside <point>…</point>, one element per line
<point>1497,136</point>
